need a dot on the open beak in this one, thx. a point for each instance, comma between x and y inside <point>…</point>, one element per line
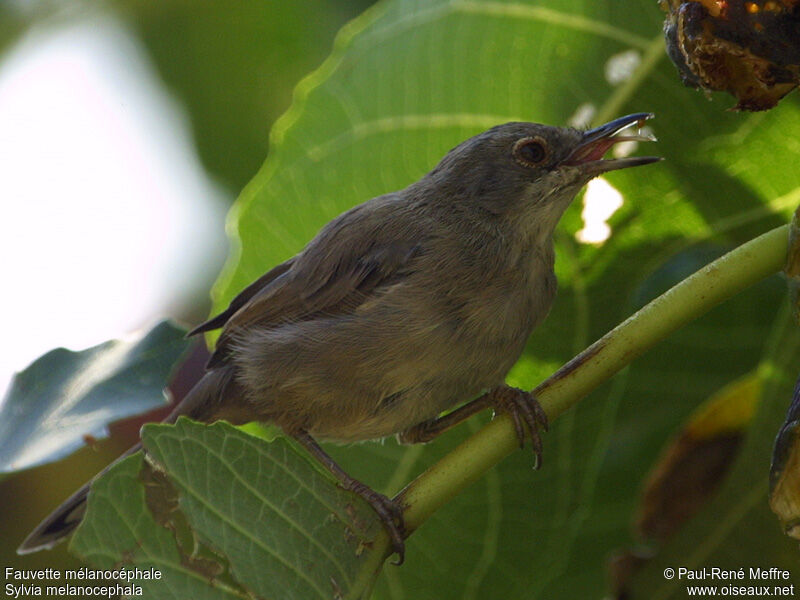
<point>596,142</point>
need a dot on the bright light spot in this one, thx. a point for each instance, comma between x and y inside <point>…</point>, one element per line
<point>108,217</point>
<point>600,201</point>
<point>583,115</point>
<point>620,67</point>
<point>623,149</point>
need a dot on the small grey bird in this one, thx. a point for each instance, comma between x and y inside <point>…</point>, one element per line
<point>402,307</point>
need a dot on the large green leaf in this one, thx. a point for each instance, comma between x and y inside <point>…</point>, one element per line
<point>409,80</point>
<point>268,523</point>
<point>64,397</point>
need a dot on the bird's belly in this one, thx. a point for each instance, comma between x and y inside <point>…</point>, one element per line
<point>407,392</point>
<point>373,375</point>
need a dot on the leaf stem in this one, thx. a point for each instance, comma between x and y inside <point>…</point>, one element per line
<point>689,299</point>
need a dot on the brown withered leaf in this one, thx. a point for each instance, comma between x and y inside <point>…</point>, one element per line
<point>689,470</point>
<point>691,467</point>
<point>162,500</point>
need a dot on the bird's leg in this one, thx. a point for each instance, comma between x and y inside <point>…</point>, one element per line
<point>427,430</point>
<point>389,511</point>
<point>521,405</point>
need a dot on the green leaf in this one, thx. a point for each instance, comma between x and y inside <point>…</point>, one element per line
<point>277,527</point>
<point>361,126</point>
<point>284,526</point>
<point>409,80</point>
<point>64,396</point>
<point>120,532</point>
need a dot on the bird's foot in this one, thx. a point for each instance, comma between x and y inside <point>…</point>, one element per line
<point>522,406</point>
<point>390,513</point>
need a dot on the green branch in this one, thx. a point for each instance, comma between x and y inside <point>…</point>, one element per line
<point>691,298</point>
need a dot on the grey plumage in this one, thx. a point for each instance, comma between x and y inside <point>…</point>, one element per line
<point>408,304</point>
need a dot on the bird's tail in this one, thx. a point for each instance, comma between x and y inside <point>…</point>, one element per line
<point>204,402</point>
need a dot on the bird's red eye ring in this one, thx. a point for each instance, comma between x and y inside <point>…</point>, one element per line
<point>531,151</point>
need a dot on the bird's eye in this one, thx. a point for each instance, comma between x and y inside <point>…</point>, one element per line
<point>531,151</point>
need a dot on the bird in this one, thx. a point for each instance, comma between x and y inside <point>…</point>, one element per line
<point>405,307</point>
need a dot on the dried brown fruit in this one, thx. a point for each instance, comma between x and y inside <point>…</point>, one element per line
<point>750,48</point>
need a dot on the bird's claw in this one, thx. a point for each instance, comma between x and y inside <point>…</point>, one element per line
<point>391,515</point>
<point>523,406</point>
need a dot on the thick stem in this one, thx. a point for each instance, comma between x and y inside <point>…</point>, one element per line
<point>691,298</point>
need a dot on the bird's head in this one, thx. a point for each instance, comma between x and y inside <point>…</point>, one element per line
<point>529,171</point>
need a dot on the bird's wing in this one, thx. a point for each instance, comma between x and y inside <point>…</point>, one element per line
<point>259,285</point>
<point>333,275</point>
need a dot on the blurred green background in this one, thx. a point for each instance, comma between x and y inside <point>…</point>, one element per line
<point>204,80</point>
